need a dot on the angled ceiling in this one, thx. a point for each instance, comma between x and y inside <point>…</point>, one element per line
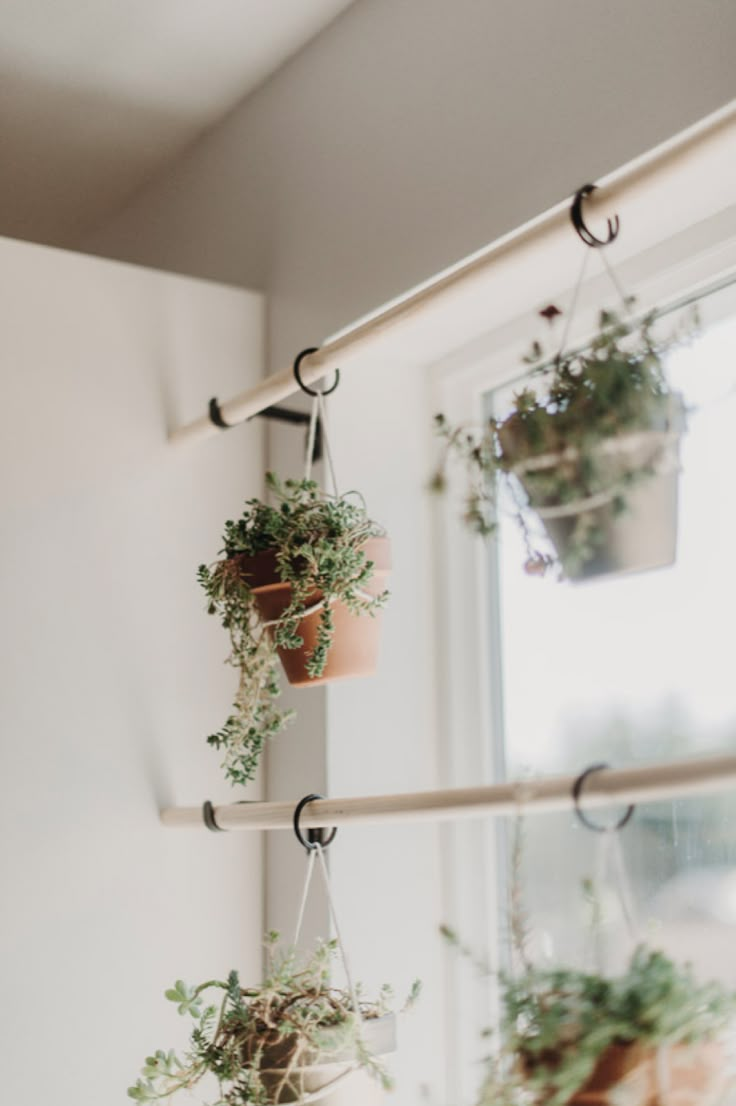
<point>96,96</point>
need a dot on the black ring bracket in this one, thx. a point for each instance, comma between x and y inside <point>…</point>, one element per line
<point>277,414</point>
<point>216,415</point>
<point>208,817</point>
<point>576,214</point>
<point>300,382</point>
<point>577,789</point>
<point>315,836</point>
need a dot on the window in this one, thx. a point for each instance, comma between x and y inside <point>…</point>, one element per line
<point>543,678</point>
<point>635,668</point>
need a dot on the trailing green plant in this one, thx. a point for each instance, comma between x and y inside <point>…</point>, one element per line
<point>295,1015</point>
<point>557,1022</point>
<point>317,540</point>
<point>613,386</point>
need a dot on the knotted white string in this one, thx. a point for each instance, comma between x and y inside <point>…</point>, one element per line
<point>317,853</point>
<point>326,442</point>
<point>305,892</point>
<point>576,293</point>
<point>615,282</point>
<point>319,414</point>
<point>573,305</point>
<point>311,439</point>
<point>610,857</point>
<point>625,894</point>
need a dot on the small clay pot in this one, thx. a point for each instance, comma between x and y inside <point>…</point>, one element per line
<point>676,1075</point>
<point>644,535</point>
<point>354,649</point>
<point>313,1073</point>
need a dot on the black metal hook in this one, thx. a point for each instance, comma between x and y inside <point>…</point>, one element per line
<point>208,817</point>
<point>216,416</point>
<point>577,788</point>
<point>300,382</point>
<point>576,214</point>
<point>316,835</point>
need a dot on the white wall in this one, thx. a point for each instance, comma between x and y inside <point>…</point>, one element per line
<point>412,132</point>
<point>383,732</point>
<point>112,672</point>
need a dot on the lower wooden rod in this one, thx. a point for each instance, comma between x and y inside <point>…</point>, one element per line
<point>643,783</point>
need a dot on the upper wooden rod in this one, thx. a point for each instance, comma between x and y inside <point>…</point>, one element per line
<point>449,283</point>
<point>642,783</point>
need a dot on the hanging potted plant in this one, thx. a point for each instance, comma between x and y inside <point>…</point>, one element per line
<point>641,1038</point>
<point>302,581</point>
<point>293,1039</point>
<point>650,1036</point>
<point>591,453</point>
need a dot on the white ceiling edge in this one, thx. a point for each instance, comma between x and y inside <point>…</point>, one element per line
<point>96,99</point>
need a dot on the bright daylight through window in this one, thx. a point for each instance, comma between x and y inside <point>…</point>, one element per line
<point>635,668</point>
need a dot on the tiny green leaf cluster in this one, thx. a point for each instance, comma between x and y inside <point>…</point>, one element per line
<point>615,385</point>
<point>318,544</point>
<point>294,1011</point>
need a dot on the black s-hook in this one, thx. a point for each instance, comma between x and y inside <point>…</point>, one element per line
<point>576,214</point>
<point>316,836</point>
<point>577,790</point>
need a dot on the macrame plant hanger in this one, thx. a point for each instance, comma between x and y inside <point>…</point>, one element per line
<point>315,842</point>
<point>317,434</point>
<point>664,461</point>
<point>594,243</point>
<point>609,859</point>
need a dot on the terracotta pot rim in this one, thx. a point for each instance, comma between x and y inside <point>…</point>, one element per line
<point>621,1058</point>
<point>261,567</point>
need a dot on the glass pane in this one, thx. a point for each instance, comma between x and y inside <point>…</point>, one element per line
<point>637,668</point>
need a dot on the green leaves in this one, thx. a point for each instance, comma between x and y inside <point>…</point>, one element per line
<point>295,1011</point>
<point>413,996</point>
<point>318,544</point>
<point>143,1091</point>
<point>559,1021</point>
<point>547,449</point>
<point>161,1063</point>
<point>186,997</point>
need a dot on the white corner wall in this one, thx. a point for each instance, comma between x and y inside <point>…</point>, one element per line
<point>112,672</point>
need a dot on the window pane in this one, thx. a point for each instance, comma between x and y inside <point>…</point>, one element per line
<point>637,668</point>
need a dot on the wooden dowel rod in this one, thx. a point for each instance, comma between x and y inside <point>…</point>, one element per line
<point>655,782</point>
<point>450,283</point>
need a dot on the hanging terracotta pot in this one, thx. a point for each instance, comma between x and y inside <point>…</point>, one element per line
<point>675,1075</point>
<point>328,1078</point>
<point>354,649</point>
<point>643,465</point>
